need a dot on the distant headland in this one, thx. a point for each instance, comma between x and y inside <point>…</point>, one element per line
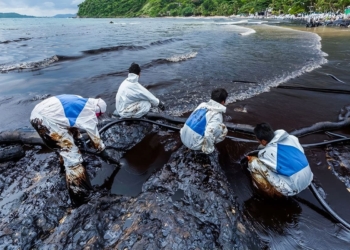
<point>16,15</point>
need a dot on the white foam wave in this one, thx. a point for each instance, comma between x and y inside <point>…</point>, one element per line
<point>247,33</point>
<point>239,22</point>
<point>254,22</point>
<point>265,87</point>
<point>179,58</point>
<point>28,65</point>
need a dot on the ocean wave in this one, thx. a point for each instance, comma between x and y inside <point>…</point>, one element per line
<point>5,99</point>
<point>33,98</point>
<point>153,63</point>
<point>29,65</point>
<point>161,42</point>
<point>248,32</point>
<point>116,23</point>
<point>113,48</point>
<point>183,106</point>
<point>184,57</point>
<point>239,22</point>
<point>48,61</point>
<point>257,22</point>
<point>129,47</point>
<point>265,87</point>
<point>16,40</point>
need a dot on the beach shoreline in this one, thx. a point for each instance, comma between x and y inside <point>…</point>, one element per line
<point>329,37</point>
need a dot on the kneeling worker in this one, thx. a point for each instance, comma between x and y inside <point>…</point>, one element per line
<point>57,120</point>
<point>204,128</point>
<point>281,167</point>
<point>132,99</point>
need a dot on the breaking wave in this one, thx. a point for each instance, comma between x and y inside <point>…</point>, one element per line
<point>36,65</point>
<point>129,47</point>
<point>239,22</point>
<point>266,86</point>
<point>33,98</point>
<point>183,105</point>
<point>153,63</point>
<point>31,65</point>
<point>248,32</point>
<point>48,61</point>
<point>113,48</point>
<point>184,57</point>
<point>161,42</point>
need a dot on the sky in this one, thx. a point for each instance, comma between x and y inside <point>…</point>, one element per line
<point>40,7</point>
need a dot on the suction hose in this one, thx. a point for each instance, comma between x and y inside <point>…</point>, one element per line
<point>328,208</point>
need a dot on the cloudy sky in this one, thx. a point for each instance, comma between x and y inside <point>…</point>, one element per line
<point>40,7</point>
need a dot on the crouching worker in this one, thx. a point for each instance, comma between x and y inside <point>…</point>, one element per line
<point>132,99</point>
<point>204,128</point>
<point>281,168</point>
<point>57,120</point>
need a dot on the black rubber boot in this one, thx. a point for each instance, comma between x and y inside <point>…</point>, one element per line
<point>78,183</point>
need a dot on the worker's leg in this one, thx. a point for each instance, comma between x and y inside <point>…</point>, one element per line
<point>262,178</point>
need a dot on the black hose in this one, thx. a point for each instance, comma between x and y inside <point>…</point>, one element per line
<point>160,124</point>
<point>324,143</point>
<point>325,206</point>
<point>334,134</point>
<point>307,145</point>
<point>136,119</point>
<point>235,127</point>
<point>321,126</point>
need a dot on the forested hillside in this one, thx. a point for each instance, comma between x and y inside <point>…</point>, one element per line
<point>154,8</point>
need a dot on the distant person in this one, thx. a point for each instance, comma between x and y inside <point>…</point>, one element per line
<point>204,128</point>
<point>281,167</point>
<point>57,120</point>
<point>132,99</point>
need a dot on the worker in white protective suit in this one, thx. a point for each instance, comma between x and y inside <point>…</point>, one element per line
<point>132,99</point>
<point>281,167</point>
<point>204,128</point>
<point>57,120</point>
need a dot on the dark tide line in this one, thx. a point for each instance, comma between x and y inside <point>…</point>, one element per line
<point>113,48</point>
<point>151,64</point>
<point>129,47</point>
<point>16,40</point>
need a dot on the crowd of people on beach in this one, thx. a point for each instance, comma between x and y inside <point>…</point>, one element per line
<point>280,169</point>
<point>311,19</point>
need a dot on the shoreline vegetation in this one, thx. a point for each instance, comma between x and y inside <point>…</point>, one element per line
<point>208,8</point>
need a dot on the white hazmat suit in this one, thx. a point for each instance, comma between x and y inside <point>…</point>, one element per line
<point>57,114</point>
<point>284,164</point>
<point>132,99</point>
<point>204,128</point>
<point>57,120</point>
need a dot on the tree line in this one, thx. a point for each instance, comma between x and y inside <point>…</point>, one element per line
<point>158,8</point>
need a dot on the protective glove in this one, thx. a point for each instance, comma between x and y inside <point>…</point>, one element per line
<point>81,143</point>
<point>161,106</point>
